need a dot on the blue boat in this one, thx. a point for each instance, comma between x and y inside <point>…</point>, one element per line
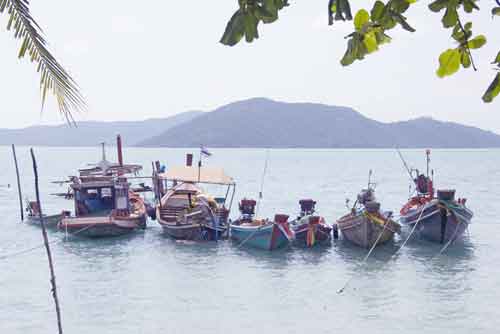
<point>261,234</point>
<point>439,218</point>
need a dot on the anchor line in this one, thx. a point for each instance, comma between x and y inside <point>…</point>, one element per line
<point>28,250</point>
<point>373,247</point>
<point>445,247</point>
<point>366,257</point>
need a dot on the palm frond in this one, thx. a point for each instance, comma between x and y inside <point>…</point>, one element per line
<point>53,76</point>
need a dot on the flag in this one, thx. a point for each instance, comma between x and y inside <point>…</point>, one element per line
<point>204,151</point>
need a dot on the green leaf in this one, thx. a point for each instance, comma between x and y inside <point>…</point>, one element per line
<point>477,42</point>
<point>362,17</point>
<point>382,38</point>
<point>377,11</point>
<point>370,41</point>
<point>438,5</point>
<point>350,54</point>
<point>399,6</point>
<point>402,21</point>
<point>450,18</point>
<point>235,29</point>
<point>497,59</point>
<point>465,59</point>
<point>469,6</point>
<point>449,62</point>
<point>251,24</point>
<point>493,90</point>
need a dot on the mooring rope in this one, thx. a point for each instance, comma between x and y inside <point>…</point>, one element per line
<point>367,255</point>
<point>28,250</point>
<point>251,235</point>
<point>445,247</point>
<point>373,247</point>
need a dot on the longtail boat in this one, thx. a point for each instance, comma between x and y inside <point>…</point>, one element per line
<point>439,218</point>
<point>33,217</point>
<point>104,205</point>
<point>366,225</point>
<point>309,228</point>
<point>260,233</point>
<point>186,211</point>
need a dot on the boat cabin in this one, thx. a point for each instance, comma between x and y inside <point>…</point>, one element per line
<point>186,184</point>
<point>95,196</point>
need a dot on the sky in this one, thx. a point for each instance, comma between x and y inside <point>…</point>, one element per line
<point>137,60</point>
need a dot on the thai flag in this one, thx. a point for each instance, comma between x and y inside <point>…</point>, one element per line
<point>205,152</point>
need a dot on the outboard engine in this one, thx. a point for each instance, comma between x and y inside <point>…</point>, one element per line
<point>307,207</point>
<point>247,208</point>
<point>365,196</point>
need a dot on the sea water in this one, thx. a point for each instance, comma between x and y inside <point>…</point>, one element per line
<point>147,283</point>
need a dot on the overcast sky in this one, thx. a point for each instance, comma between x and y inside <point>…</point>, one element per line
<point>137,60</point>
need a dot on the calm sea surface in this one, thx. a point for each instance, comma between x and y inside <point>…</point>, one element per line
<point>146,283</point>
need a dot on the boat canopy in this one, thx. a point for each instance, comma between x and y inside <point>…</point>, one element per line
<point>105,167</point>
<point>197,175</point>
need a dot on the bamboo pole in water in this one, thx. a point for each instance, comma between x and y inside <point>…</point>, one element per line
<point>47,247</point>
<point>18,183</point>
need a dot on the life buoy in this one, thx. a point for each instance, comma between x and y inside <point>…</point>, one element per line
<point>414,202</point>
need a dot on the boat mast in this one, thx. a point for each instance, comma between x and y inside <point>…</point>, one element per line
<point>103,151</point>
<point>428,157</point>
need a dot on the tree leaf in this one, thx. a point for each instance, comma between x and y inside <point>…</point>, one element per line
<point>450,18</point>
<point>235,29</point>
<point>438,5</point>
<point>469,6</point>
<point>399,6</point>
<point>465,59</point>
<point>477,42</point>
<point>251,23</point>
<point>497,59</point>
<point>402,21</point>
<point>449,62</point>
<point>493,90</point>
<point>362,17</point>
<point>377,11</point>
<point>370,41</point>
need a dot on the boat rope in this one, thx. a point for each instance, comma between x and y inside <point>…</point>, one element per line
<point>397,251</point>
<point>445,247</point>
<point>366,257</point>
<point>262,183</point>
<point>29,250</point>
<point>251,235</point>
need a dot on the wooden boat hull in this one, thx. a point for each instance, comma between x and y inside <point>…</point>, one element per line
<point>50,221</point>
<point>322,234</point>
<point>364,232</point>
<point>194,232</point>
<point>101,227</point>
<point>266,237</point>
<point>430,226</point>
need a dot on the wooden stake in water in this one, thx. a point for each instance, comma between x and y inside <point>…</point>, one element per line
<point>18,183</point>
<point>47,247</point>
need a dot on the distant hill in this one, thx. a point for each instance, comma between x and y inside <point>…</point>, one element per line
<point>262,122</point>
<point>92,133</point>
